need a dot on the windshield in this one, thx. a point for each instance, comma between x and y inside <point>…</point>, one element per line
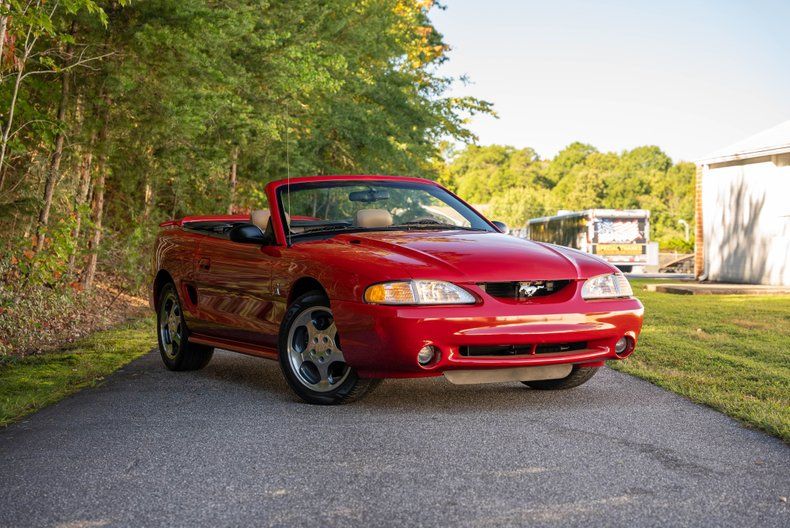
<point>328,207</point>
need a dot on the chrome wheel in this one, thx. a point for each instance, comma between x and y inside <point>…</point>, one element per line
<point>314,350</point>
<point>170,330</point>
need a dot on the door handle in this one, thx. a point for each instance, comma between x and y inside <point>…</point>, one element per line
<point>204,263</point>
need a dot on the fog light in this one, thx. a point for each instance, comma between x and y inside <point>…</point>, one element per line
<point>427,354</point>
<point>621,345</point>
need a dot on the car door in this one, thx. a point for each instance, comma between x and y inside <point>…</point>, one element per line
<point>234,297</point>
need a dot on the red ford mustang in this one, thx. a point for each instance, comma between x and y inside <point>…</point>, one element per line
<point>346,280</point>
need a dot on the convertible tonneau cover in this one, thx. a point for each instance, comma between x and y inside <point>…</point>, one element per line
<point>204,218</point>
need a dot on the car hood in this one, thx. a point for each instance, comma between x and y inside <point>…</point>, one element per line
<point>460,256</point>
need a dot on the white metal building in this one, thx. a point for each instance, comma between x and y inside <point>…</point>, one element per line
<point>743,211</point>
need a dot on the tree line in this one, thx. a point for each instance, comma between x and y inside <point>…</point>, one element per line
<point>518,185</point>
<point>116,115</point>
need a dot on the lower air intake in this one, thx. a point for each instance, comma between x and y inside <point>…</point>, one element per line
<point>520,350</point>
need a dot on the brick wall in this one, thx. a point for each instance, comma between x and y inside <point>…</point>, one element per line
<point>699,246</point>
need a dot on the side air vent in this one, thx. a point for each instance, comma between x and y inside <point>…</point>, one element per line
<point>191,294</point>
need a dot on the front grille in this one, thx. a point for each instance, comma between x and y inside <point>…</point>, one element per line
<point>524,289</point>
<point>521,350</point>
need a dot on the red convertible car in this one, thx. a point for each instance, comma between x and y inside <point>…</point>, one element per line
<point>346,280</point>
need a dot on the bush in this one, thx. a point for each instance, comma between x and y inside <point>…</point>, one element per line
<point>23,265</point>
<point>678,244</point>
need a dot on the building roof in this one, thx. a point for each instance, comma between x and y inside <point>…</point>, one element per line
<point>775,140</point>
<point>594,213</point>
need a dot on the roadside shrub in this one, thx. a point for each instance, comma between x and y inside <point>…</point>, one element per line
<point>23,266</point>
<point>676,244</point>
<point>128,255</point>
<point>36,318</point>
<point>29,314</point>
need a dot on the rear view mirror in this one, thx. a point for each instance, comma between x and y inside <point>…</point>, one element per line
<point>502,226</point>
<point>368,196</point>
<point>247,234</point>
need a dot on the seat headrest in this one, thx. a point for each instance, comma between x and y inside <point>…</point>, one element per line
<point>260,218</point>
<point>373,218</point>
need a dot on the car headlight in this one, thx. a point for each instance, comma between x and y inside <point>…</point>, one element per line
<point>418,292</point>
<point>607,286</point>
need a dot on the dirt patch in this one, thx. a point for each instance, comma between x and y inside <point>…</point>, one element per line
<point>752,324</point>
<point>36,320</point>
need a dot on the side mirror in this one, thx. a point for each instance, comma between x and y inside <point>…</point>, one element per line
<point>502,226</point>
<point>247,234</point>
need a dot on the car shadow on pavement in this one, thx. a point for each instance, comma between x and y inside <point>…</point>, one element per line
<point>438,394</point>
<point>230,370</point>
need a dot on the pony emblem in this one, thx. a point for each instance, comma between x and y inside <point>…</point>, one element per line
<point>528,289</point>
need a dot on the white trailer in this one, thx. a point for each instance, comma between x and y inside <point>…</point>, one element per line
<point>622,237</point>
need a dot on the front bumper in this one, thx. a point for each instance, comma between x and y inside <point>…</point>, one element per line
<point>383,341</point>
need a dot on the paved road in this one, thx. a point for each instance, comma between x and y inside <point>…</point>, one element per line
<point>231,446</point>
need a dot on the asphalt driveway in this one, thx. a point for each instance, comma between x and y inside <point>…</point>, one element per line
<point>230,445</point>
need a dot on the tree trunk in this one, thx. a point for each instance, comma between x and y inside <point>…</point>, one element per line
<point>81,198</point>
<point>3,31</point>
<point>31,38</point>
<point>6,136</point>
<point>53,172</point>
<point>148,197</point>
<point>98,202</point>
<point>234,161</point>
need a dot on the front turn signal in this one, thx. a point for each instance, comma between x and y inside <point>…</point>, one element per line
<point>426,292</point>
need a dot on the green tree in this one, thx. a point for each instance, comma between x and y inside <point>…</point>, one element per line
<point>196,104</point>
<point>479,173</point>
<point>519,186</point>
<point>565,160</point>
<point>517,205</point>
<point>582,188</point>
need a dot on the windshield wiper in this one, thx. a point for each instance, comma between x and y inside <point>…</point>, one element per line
<point>319,229</point>
<point>432,224</point>
<point>418,224</point>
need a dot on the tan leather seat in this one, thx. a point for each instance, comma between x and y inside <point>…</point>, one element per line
<point>372,218</point>
<point>291,228</point>
<point>260,218</point>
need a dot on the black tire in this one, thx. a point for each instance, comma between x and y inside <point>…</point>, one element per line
<point>174,346</point>
<point>578,376</point>
<point>350,386</point>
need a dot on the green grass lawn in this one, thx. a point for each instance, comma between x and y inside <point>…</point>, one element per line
<point>731,352</point>
<point>30,383</point>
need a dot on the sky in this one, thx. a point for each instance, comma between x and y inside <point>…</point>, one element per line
<point>689,76</point>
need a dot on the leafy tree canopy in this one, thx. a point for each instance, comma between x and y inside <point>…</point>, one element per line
<point>141,111</point>
<point>519,186</point>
